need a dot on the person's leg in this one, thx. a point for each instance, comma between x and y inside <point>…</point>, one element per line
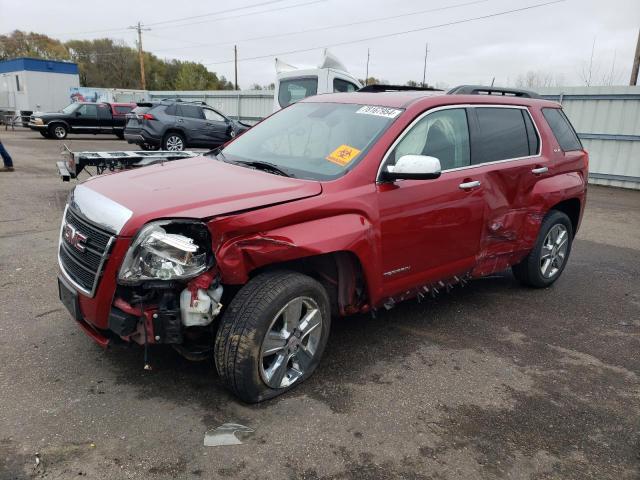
<point>6,158</point>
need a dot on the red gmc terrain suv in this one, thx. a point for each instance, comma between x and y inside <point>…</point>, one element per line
<point>338,204</point>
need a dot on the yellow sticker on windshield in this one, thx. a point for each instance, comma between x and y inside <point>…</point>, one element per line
<point>343,155</point>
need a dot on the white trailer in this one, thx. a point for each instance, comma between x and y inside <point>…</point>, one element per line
<point>28,85</point>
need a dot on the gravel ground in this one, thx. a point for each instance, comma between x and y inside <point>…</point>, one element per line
<point>490,381</point>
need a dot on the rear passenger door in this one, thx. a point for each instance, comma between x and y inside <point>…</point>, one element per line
<point>506,150</point>
<point>192,122</point>
<point>105,119</point>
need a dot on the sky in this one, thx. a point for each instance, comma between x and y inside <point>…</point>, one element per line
<point>469,42</point>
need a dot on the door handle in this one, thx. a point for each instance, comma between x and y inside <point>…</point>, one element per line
<point>540,170</point>
<point>469,185</point>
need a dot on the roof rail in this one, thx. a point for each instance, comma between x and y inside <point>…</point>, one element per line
<point>482,90</point>
<point>195,102</point>
<point>376,88</point>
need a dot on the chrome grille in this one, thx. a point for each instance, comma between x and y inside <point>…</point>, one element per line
<point>83,266</point>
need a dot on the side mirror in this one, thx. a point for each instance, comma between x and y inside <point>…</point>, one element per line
<point>413,167</point>
<point>78,114</point>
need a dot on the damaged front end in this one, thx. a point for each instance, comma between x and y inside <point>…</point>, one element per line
<point>168,289</point>
<point>161,288</point>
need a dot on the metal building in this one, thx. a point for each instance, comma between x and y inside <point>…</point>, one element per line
<point>28,85</point>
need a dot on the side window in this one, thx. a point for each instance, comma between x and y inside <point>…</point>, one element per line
<point>443,134</point>
<point>190,111</point>
<point>340,85</point>
<point>562,129</point>
<point>103,112</point>
<point>122,109</point>
<point>171,109</point>
<point>295,89</point>
<point>502,135</point>
<point>213,115</point>
<point>88,111</point>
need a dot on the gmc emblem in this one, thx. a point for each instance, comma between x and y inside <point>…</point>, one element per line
<point>74,238</point>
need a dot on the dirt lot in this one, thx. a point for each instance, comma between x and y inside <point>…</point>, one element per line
<point>490,381</point>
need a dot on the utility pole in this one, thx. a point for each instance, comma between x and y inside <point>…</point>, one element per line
<point>139,29</point>
<point>636,63</point>
<point>424,70</point>
<point>235,63</point>
<point>366,75</point>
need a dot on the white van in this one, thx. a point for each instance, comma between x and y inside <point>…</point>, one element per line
<point>294,84</point>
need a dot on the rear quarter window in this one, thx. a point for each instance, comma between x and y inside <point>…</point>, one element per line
<point>562,129</point>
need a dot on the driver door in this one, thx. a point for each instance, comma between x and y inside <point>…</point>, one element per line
<point>217,128</point>
<point>431,229</point>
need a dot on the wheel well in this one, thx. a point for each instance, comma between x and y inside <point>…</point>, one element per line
<point>339,272</point>
<point>57,122</point>
<point>571,208</point>
<point>173,130</point>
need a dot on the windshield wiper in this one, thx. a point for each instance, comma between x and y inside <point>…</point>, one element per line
<point>269,167</point>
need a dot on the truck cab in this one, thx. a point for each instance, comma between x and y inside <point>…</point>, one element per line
<point>294,84</point>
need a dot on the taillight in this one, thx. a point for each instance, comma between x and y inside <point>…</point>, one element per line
<point>148,116</point>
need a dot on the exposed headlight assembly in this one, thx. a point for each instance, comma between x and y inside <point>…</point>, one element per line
<point>158,254</point>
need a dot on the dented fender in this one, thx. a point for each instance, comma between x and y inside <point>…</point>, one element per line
<point>238,257</point>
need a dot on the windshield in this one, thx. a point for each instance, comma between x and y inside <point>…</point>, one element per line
<point>70,108</point>
<point>318,141</point>
<point>293,90</point>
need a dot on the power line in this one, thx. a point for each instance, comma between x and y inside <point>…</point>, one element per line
<point>330,27</point>
<point>249,14</point>
<point>173,20</point>
<point>394,34</point>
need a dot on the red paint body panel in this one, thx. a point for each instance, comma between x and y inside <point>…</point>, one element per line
<point>436,229</point>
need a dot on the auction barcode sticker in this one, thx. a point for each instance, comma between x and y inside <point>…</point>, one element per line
<point>379,111</point>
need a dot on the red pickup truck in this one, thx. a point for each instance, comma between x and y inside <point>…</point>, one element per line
<point>335,205</point>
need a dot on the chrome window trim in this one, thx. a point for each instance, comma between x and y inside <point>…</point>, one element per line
<point>105,256</point>
<point>462,105</point>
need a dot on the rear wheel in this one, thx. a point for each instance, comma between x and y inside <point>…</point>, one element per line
<point>58,131</point>
<point>173,141</point>
<point>546,261</point>
<point>273,334</point>
<point>120,135</point>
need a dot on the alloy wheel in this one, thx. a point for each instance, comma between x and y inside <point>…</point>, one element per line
<point>554,250</point>
<point>291,343</point>
<point>175,143</point>
<point>59,131</point>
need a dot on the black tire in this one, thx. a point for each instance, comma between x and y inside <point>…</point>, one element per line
<point>173,141</point>
<point>120,135</point>
<point>529,270</point>
<point>58,131</point>
<point>44,133</point>
<point>249,318</point>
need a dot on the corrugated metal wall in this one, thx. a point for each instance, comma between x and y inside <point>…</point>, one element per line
<point>607,120</point>
<point>249,106</point>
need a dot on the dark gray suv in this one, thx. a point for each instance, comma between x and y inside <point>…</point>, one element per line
<point>176,125</point>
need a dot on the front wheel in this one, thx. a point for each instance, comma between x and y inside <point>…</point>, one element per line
<point>549,256</point>
<point>58,131</point>
<point>273,334</point>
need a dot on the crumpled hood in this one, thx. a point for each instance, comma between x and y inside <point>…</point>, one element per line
<point>197,187</point>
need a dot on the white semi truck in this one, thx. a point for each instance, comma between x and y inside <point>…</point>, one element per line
<point>294,84</point>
